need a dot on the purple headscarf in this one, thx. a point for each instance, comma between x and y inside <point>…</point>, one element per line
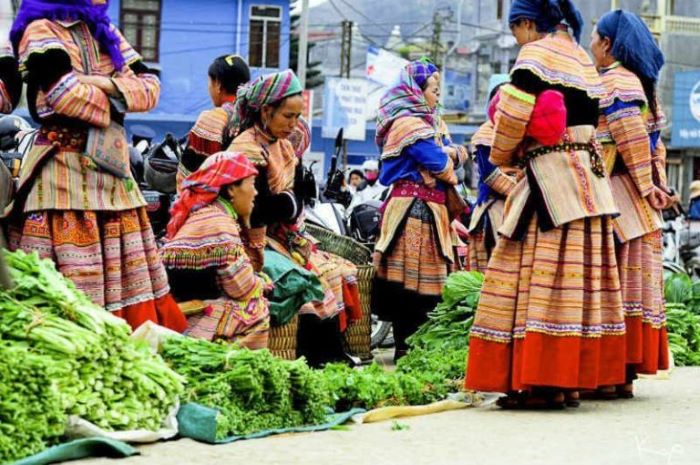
<point>88,11</point>
<point>406,99</point>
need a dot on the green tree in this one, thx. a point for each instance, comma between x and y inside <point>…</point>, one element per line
<point>314,75</point>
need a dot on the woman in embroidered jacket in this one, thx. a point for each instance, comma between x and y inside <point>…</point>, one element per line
<point>212,131</point>
<point>494,186</point>
<point>206,259</point>
<point>550,316</point>
<point>630,122</point>
<point>77,202</point>
<point>267,122</point>
<point>414,252</point>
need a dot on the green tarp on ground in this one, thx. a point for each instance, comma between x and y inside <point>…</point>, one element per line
<point>80,449</point>
<point>199,423</point>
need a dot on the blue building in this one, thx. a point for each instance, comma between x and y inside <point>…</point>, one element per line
<point>180,38</point>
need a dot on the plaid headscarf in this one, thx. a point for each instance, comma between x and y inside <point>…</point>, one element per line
<point>202,187</point>
<point>406,99</point>
<point>632,43</point>
<point>265,90</point>
<point>91,12</point>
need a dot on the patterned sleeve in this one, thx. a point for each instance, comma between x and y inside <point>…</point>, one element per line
<point>659,165</point>
<point>139,89</point>
<point>512,116</point>
<point>628,130</point>
<point>42,54</point>
<point>206,136</point>
<point>238,279</point>
<point>70,97</point>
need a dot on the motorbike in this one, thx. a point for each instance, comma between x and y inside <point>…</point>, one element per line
<point>681,246</point>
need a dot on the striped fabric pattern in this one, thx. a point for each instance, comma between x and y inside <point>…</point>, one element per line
<point>276,155</point>
<point>510,123</point>
<point>210,238</point>
<point>624,131</point>
<point>111,256</point>
<point>559,60</point>
<point>641,274</point>
<point>69,97</point>
<point>405,132</point>
<point>64,183</point>
<point>415,259</point>
<point>574,193</point>
<point>206,136</point>
<point>397,209</point>
<point>550,309</point>
<point>68,181</point>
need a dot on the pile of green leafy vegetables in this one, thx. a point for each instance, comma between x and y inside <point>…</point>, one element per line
<point>683,318</point>
<point>252,390</point>
<point>80,361</point>
<point>434,365</point>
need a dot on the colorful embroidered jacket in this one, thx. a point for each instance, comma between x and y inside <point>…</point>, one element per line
<point>208,260</point>
<point>561,185</point>
<point>494,185</point>
<point>58,173</point>
<point>10,80</point>
<point>635,156</point>
<point>206,137</point>
<point>413,153</point>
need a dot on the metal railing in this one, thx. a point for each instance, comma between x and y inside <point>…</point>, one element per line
<point>672,24</point>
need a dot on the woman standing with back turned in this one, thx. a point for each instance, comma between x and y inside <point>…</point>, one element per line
<point>550,318</point>
<point>630,122</point>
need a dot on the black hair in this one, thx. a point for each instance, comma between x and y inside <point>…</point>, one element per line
<point>494,91</point>
<point>357,172</point>
<point>231,71</point>
<point>649,86</point>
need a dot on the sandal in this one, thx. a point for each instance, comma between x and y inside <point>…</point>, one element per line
<point>625,391</point>
<point>547,400</point>
<point>572,399</point>
<point>602,393</point>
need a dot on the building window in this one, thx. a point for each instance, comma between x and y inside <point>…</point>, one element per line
<point>264,38</point>
<point>140,23</point>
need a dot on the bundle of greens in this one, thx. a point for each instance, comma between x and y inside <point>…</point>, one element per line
<point>449,324</point>
<point>101,374</point>
<point>683,334</point>
<point>31,412</point>
<point>683,318</point>
<point>253,390</point>
<point>433,367</point>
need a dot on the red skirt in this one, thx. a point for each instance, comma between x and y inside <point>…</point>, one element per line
<point>111,256</point>
<point>550,313</point>
<point>641,275</point>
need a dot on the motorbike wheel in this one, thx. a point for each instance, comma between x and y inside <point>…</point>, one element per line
<point>380,330</point>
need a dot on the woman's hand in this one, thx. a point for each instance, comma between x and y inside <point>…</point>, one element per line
<point>517,173</point>
<point>658,199</point>
<point>452,153</point>
<point>103,83</point>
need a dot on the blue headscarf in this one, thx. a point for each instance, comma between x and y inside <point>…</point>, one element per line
<point>547,14</point>
<point>632,43</point>
<point>91,12</point>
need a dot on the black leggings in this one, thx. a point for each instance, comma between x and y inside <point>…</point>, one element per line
<point>320,341</point>
<point>407,310</point>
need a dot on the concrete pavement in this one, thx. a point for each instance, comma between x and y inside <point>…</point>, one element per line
<point>661,426</point>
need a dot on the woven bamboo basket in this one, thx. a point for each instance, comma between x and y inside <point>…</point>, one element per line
<point>358,335</point>
<point>283,340</point>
